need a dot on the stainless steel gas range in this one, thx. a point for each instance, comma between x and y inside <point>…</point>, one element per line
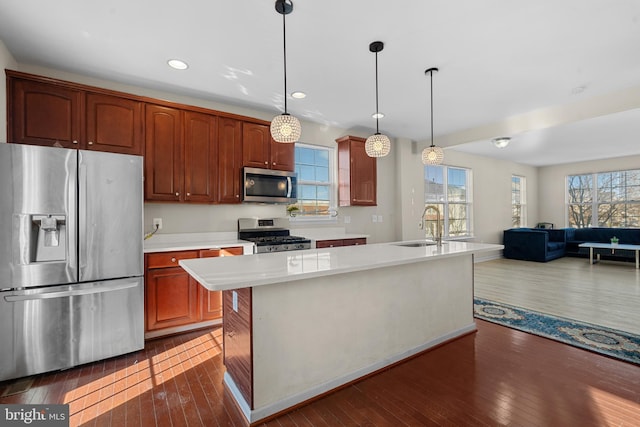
<point>270,235</point>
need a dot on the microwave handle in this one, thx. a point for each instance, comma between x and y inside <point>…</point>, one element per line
<point>289,186</point>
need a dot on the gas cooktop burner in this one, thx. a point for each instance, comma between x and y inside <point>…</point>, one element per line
<point>270,235</point>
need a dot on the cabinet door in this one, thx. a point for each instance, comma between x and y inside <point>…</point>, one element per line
<point>163,154</point>
<point>200,157</point>
<point>282,156</point>
<point>114,124</point>
<point>172,297</point>
<point>44,114</point>
<point>229,160</point>
<point>363,176</point>
<point>210,301</point>
<point>237,327</point>
<point>255,145</point>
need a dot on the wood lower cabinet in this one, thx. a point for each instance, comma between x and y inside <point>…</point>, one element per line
<point>171,295</point>
<point>174,301</point>
<point>357,173</point>
<point>238,358</point>
<point>340,242</point>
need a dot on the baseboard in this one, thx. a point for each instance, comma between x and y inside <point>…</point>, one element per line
<point>487,256</point>
<point>255,415</point>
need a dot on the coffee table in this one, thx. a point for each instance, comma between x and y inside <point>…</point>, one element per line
<point>613,247</point>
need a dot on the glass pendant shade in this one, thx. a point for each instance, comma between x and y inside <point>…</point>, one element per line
<point>432,155</point>
<point>285,128</point>
<point>377,145</point>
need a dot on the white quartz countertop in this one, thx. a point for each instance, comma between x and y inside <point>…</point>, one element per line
<point>195,241</point>
<point>226,273</point>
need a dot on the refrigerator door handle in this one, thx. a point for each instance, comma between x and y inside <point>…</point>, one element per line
<point>72,292</point>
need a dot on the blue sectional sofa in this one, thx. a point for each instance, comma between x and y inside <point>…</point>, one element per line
<point>628,236</point>
<point>534,244</point>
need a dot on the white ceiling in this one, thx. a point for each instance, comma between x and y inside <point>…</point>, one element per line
<point>498,59</point>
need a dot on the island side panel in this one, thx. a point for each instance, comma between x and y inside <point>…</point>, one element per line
<point>312,335</point>
<point>237,345</point>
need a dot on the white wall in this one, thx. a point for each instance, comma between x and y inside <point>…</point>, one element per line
<point>6,61</point>
<point>552,184</point>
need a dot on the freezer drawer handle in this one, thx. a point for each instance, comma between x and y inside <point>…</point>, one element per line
<point>61,294</point>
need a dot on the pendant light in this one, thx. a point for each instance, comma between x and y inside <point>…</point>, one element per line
<point>432,155</point>
<point>377,145</point>
<point>285,128</point>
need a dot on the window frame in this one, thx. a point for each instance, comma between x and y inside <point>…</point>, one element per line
<point>523,200</point>
<point>446,204</point>
<point>598,198</point>
<point>332,186</point>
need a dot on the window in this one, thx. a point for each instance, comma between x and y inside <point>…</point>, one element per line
<point>315,170</point>
<point>518,201</point>
<point>449,190</point>
<point>605,199</point>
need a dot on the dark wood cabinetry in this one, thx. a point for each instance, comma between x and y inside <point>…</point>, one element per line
<point>171,295</point>
<point>340,242</point>
<point>357,173</point>
<point>229,160</point>
<point>200,157</point>
<point>259,150</point>
<point>238,358</point>
<point>46,112</point>
<point>174,301</point>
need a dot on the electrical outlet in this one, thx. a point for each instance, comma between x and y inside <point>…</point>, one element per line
<point>379,218</point>
<point>157,222</point>
<point>347,219</point>
<point>374,218</point>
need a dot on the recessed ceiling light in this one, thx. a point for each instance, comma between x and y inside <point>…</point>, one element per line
<point>298,95</point>
<point>501,142</point>
<point>177,64</point>
<point>377,115</point>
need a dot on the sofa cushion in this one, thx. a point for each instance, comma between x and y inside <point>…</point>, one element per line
<point>554,246</point>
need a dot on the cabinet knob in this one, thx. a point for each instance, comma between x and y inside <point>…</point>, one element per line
<point>75,141</point>
<point>90,142</point>
<point>237,196</point>
<point>266,163</point>
<point>188,194</point>
<point>173,260</point>
<point>274,163</point>
<point>177,194</point>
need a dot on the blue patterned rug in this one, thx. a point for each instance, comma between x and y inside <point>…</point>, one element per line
<point>610,342</point>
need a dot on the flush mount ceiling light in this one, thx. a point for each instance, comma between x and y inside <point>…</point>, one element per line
<point>377,145</point>
<point>377,115</point>
<point>177,64</point>
<point>501,142</point>
<point>285,128</point>
<point>298,95</point>
<point>432,155</point>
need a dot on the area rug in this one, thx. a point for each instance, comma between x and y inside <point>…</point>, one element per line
<point>610,342</point>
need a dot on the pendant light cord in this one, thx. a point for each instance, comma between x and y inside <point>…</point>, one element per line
<point>377,111</point>
<point>431,74</point>
<point>284,44</point>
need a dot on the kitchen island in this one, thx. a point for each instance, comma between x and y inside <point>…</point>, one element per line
<point>299,324</point>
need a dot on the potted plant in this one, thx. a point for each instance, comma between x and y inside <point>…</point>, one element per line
<point>614,240</point>
<point>292,210</point>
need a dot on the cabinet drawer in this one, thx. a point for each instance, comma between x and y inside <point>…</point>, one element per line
<point>329,243</point>
<point>354,242</point>
<point>168,259</point>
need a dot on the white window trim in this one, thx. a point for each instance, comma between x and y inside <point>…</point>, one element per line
<point>445,203</point>
<point>523,200</point>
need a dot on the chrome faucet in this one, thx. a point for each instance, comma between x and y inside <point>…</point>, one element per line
<point>438,236</point>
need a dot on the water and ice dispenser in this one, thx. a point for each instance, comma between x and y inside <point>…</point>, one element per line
<point>46,239</point>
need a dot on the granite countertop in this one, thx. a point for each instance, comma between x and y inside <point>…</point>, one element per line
<point>269,268</point>
<point>195,241</point>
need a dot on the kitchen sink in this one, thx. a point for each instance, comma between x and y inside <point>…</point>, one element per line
<point>416,244</point>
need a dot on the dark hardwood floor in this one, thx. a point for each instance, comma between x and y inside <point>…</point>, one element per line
<point>497,376</point>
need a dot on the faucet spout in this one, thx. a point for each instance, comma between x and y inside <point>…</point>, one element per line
<point>438,234</point>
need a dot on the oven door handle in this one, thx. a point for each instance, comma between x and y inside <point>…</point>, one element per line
<point>289,186</point>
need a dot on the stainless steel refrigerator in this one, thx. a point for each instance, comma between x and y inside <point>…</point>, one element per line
<point>71,261</point>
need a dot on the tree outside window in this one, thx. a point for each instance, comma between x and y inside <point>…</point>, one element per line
<point>314,168</point>
<point>518,201</point>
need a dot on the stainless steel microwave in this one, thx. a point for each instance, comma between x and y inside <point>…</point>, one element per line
<point>269,186</point>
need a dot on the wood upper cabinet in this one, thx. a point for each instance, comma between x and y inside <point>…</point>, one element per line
<point>200,157</point>
<point>114,124</point>
<point>229,160</point>
<point>45,112</point>
<point>163,154</point>
<point>357,173</point>
<point>259,150</point>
